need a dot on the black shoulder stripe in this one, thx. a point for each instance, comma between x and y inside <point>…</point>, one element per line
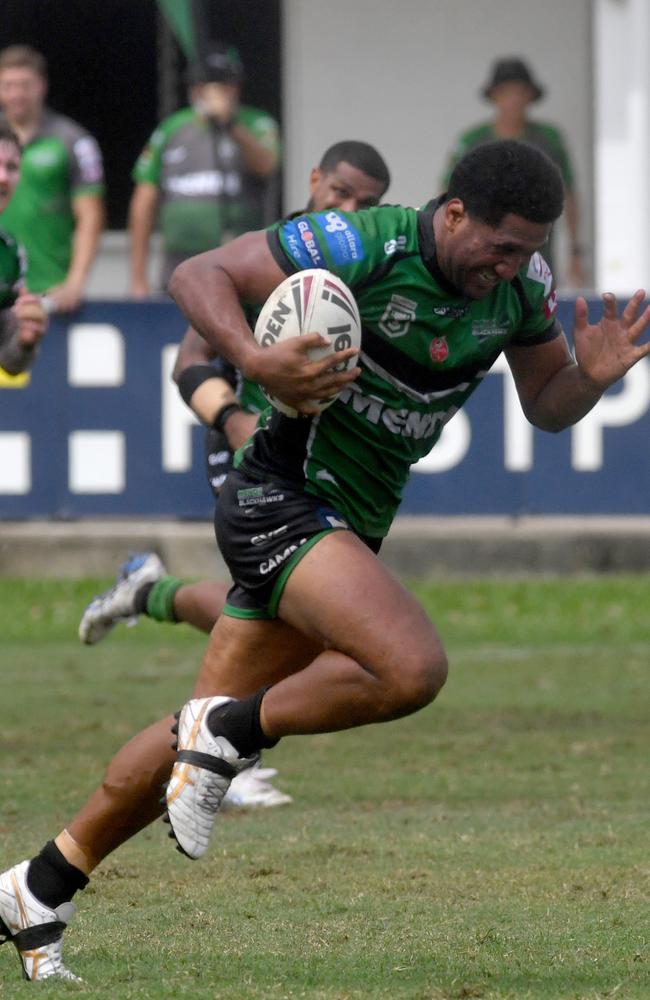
<point>414,375</point>
<point>279,256</point>
<point>543,337</point>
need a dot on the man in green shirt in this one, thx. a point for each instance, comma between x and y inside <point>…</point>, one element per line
<point>206,172</point>
<point>512,89</point>
<point>317,636</point>
<point>57,213</point>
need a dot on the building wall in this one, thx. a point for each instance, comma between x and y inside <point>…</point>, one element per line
<point>406,77</point>
<point>622,146</point>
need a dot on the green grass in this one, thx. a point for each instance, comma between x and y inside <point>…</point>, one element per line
<point>493,845</point>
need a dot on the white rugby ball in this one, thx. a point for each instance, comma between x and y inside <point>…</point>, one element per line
<point>311,301</point>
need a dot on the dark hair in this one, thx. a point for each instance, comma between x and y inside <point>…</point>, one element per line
<point>505,176</point>
<point>23,56</point>
<point>358,154</point>
<point>8,135</point>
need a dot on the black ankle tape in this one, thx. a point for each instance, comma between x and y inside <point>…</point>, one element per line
<point>239,722</point>
<point>51,877</point>
<point>141,598</point>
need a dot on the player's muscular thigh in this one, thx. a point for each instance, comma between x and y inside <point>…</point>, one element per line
<point>341,594</point>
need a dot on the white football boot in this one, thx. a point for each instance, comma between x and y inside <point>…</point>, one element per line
<point>201,776</point>
<point>252,789</point>
<point>34,929</point>
<point>117,604</point>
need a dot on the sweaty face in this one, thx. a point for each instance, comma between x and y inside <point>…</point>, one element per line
<point>345,187</point>
<point>475,257</point>
<point>21,93</point>
<point>9,171</point>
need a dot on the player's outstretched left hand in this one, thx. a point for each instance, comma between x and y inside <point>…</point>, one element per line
<point>607,350</point>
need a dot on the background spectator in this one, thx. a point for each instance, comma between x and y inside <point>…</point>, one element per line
<point>57,212</point>
<point>206,171</point>
<point>512,89</point>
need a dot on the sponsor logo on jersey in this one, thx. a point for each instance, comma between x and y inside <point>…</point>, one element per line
<point>485,329</point>
<point>392,246</point>
<point>302,242</point>
<point>279,557</point>
<point>403,422</point>
<point>539,270</point>
<point>398,316</point>
<point>343,240</point>
<point>453,312</point>
<point>255,495</point>
<point>439,349</point>
<point>265,536</point>
<point>89,158</point>
<point>205,182</point>
<point>175,154</point>
<point>217,482</point>
<point>550,305</point>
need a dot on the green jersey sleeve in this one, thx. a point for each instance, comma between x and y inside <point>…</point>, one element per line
<point>262,126</point>
<point>351,244</point>
<point>535,288</point>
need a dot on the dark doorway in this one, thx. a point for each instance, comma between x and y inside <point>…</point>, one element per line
<point>105,60</point>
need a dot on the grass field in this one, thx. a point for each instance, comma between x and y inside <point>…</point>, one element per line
<point>494,845</point>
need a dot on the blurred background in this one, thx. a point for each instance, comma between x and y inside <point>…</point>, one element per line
<point>404,77</point>
<point>408,78</point>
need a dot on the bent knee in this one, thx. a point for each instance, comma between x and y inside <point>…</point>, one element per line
<point>419,680</point>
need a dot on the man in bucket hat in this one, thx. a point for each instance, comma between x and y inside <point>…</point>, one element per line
<point>512,88</point>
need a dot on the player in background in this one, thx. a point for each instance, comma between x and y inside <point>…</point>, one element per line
<point>23,320</point>
<point>328,639</point>
<point>57,213</point>
<point>208,172</point>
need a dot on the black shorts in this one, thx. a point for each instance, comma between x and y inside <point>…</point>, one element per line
<point>263,530</point>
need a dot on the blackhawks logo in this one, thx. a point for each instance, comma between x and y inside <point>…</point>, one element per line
<point>438,349</point>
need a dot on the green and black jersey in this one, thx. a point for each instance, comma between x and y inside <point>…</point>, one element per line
<point>60,163</point>
<point>12,270</point>
<point>425,349</point>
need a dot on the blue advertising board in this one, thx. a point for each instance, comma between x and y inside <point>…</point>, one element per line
<point>101,431</point>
